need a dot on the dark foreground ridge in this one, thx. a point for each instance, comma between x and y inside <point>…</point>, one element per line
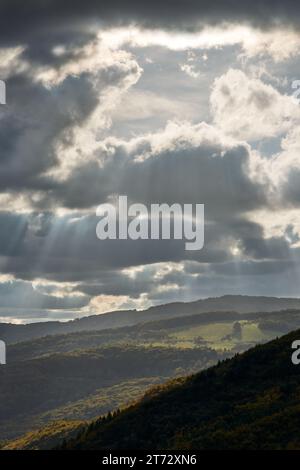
<point>251,401</point>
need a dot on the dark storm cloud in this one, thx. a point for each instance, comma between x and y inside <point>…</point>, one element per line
<point>260,248</point>
<point>206,172</point>
<point>32,124</point>
<point>253,267</point>
<point>236,277</point>
<point>252,241</point>
<point>118,283</point>
<point>67,249</point>
<point>12,234</point>
<point>38,118</point>
<point>20,20</point>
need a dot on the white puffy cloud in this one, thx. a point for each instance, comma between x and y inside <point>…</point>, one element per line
<point>190,70</point>
<point>249,109</point>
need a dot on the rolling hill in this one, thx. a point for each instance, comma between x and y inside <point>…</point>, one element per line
<point>11,333</point>
<point>85,383</point>
<point>251,401</point>
<point>79,376</point>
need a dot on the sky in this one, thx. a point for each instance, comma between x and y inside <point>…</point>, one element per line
<point>165,102</point>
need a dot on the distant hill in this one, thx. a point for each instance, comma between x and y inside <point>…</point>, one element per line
<point>251,401</point>
<point>241,304</point>
<point>181,331</point>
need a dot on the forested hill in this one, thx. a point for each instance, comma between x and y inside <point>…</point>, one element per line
<point>249,402</point>
<point>12,333</point>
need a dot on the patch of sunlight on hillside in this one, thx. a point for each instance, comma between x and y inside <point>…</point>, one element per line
<point>212,333</point>
<point>219,335</point>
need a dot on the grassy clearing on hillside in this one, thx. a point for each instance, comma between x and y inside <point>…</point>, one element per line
<point>219,336</point>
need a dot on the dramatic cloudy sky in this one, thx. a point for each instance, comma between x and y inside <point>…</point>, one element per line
<point>168,101</point>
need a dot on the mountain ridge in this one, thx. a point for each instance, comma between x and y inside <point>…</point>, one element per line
<point>12,333</point>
